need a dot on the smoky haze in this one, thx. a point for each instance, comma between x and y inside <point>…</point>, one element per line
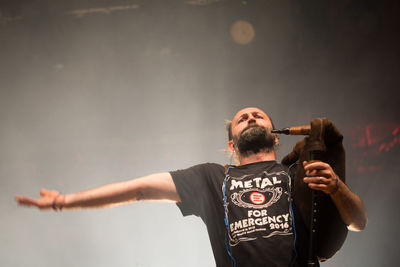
<point>95,92</point>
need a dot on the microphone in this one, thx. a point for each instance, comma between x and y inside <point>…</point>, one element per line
<point>295,130</point>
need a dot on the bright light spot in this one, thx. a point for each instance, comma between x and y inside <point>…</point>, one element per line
<point>242,32</point>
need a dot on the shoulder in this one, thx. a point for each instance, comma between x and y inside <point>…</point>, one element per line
<point>200,168</point>
<point>198,181</point>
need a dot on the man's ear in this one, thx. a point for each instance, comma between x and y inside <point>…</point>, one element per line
<point>231,145</point>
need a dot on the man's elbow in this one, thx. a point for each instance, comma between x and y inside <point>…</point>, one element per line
<point>358,226</point>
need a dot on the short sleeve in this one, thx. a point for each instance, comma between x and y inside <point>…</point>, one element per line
<point>194,186</point>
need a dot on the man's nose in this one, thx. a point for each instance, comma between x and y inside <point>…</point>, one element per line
<point>251,120</point>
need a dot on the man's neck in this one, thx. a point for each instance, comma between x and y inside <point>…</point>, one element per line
<point>252,158</point>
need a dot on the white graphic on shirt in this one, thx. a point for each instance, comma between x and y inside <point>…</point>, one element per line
<point>285,232</point>
<point>238,198</point>
<point>253,212</point>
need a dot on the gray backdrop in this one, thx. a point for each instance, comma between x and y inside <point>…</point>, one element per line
<point>94,92</point>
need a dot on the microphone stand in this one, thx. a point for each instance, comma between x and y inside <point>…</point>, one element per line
<point>315,155</point>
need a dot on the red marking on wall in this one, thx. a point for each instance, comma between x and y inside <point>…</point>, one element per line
<point>368,135</point>
<point>371,142</point>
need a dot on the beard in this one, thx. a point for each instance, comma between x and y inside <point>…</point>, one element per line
<point>254,139</point>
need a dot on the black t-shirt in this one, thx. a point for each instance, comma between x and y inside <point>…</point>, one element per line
<point>257,213</point>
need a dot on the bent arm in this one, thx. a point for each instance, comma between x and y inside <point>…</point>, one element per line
<point>320,176</point>
<point>158,186</point>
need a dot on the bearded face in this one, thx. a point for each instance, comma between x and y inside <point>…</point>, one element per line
<point>254,139</point>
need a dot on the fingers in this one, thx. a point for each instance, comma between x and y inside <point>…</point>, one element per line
<point>316,180</point>
<point>320,176</point>
<point>25,201</point>
<point>318,168</point>
<point>317,165</point>
<point>43,192</point>
<point>45,202</point>
<point>317,186</point>
<point>318,183</point>
<point>48,193</point>
<point>319,172</point>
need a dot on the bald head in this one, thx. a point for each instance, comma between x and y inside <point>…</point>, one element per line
<point>252,113</point>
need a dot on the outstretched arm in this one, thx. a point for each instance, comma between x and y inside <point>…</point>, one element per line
<point>158,186</point>
<point>320,176</point>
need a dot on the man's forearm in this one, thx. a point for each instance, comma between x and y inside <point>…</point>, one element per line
<point>320,176</point>
<point>350,207</point>
<point>104,196</point>
<point>153,187</point>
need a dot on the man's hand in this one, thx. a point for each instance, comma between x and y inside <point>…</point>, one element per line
<point>320,176</point>
<point>47,201</point>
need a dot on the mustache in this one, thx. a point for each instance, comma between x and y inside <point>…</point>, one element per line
<point>254,125</point>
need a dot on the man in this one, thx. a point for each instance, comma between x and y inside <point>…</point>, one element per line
<point>247,208</point>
